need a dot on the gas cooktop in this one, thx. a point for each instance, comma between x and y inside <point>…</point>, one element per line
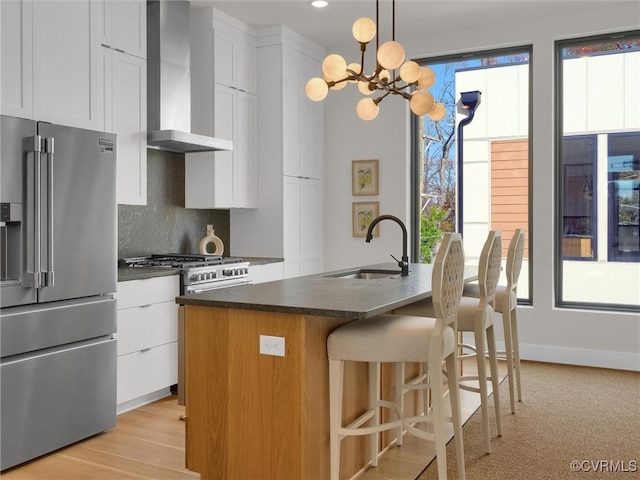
<point>178,260</point>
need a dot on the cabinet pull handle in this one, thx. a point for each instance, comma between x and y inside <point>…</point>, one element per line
<point>119,50</point>
<point>144,350</point>
<point>145,306</point>
<point>105,45</point>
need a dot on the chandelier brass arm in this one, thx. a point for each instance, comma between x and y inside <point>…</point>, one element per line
<point>412,81</point>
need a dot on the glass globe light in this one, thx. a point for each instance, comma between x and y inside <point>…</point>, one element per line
<point>334,67</point>
<point>316,89</point>
<point>367,109</point>
<point>364,88</point>
<point>427,78</point>
<point>354,67</point>
<point>410,71</point>
<point>390,55</point>
<point>438,113</point>
<point>364,29</point>
<point>384,75</point>
<point>421,102</point>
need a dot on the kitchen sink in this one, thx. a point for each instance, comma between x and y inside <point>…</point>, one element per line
<point>366,274</point>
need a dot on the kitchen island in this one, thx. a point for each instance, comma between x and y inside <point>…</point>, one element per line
<point>265,416</point>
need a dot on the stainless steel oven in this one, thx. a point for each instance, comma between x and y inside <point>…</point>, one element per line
<point>212,277</point>
<point>198,273</point>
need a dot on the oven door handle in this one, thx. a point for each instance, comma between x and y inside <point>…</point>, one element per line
<point>217,286</point>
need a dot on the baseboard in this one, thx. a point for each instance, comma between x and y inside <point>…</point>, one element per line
<point>144,400</point>
<point>580,356</point>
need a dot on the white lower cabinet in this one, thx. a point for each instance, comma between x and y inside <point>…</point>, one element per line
<point>267,272</point>
<point>142,373</point>
<point>147,340</point>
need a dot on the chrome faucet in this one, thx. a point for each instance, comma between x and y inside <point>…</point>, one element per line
<point>404,263</point>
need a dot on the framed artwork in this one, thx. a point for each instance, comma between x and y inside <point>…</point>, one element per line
<point>363,215</point>
<point>364,177</point>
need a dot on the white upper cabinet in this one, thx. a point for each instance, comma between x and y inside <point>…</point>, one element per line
<point>223,105</point>
<point>302,119</point>
<point>81,63</point>
<point>50,62</point>
<point>65,64</point>
<point>124,26</point>
<point>16,50</point>
<point>289,217</point>
<point>127,113</point>
<point>123,40</point>
<point>234,58</point>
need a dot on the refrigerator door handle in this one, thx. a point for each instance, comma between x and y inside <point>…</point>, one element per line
<point>34,279</point>
<point>48,279</point>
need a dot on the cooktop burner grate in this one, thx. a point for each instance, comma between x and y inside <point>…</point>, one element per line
<point>179,260</point>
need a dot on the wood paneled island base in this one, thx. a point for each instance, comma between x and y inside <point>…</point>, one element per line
<point>253,416</point>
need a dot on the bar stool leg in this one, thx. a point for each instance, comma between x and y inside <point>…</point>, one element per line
<point>493,362</point>
<point>516,350</point>
<point>508,344</point>
<point>438,417</point>
<point>456,415</point>
<point>479,334</point>
<point>399,374</point>
<point>374,397</point>
<point>336,379</point>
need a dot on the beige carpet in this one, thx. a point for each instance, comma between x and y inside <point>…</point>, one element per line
<point>574,422</point>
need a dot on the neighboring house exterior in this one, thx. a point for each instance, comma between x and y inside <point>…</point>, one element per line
<point>601,142</point>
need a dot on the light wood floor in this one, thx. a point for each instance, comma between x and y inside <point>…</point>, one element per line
<point>145,443</point>
<point>149,443</point>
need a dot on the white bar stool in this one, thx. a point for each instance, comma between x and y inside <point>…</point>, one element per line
<point>506,303</point>
<point>399,339</point>
<point>476,315</point>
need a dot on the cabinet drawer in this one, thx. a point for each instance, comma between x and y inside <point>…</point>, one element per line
<point>146,327</point>
<point>142,373</point>
<point>136,293</point>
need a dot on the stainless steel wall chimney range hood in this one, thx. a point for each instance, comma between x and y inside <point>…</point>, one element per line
<point>169,81</point>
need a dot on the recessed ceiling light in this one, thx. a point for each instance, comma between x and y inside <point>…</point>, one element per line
<point>319,3</point>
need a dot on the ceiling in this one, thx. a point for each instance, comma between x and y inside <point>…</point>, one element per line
<point>331,26</point>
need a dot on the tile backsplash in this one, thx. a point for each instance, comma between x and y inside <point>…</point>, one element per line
<point>164,225</point>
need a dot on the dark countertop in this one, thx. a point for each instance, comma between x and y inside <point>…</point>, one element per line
<point>140,273</point>
<point>261,260</point>
<point>326,296</point>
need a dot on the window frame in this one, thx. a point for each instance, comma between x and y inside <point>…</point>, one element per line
<point>415,187</point>
<point>558,136</point>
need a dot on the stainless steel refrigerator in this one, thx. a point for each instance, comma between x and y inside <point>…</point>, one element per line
<point>58,254</point>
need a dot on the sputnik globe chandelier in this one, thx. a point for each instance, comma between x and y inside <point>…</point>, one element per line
<point>412,81</point>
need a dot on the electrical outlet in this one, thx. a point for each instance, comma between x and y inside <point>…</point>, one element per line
<point>272,345</point>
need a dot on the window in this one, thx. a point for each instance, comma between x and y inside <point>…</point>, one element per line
<point>579,223</point>
<point>598,169</point>
<point>624,197</point>
<point>493,166</point>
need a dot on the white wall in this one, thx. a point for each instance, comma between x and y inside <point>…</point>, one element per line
<point>606,339</point>
<point>346,140</point>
